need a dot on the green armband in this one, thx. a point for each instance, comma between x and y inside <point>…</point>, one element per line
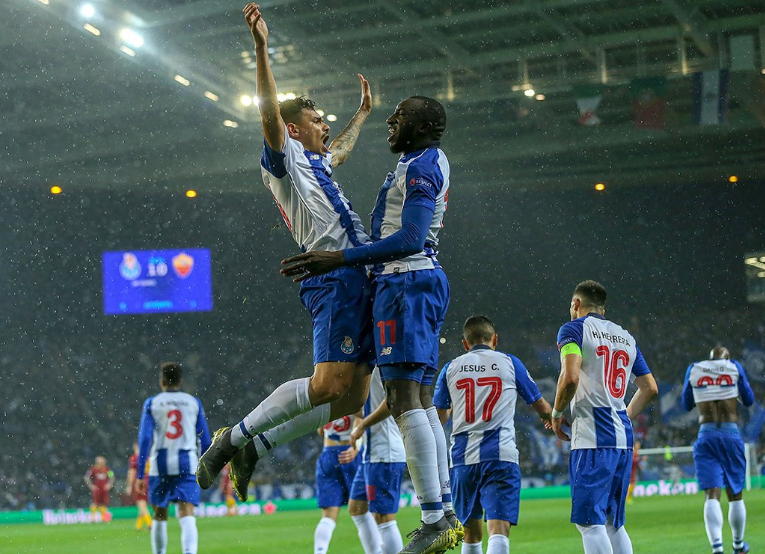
<point>570,348</point>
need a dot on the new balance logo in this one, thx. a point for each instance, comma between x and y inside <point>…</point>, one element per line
<point>386,351</point>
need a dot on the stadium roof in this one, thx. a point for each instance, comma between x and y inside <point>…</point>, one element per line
<point>83,104</point>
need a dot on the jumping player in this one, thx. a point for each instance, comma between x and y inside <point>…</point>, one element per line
<point>598,360</point>
<point>297,168</point>
<point>481,389</point>
<point>336,467</point>
<point>714,385</point>
<point>377,486</point>
<point>411,298</point>
<point>173,430</point>
<point>141,500</point>
<point>99,479</point>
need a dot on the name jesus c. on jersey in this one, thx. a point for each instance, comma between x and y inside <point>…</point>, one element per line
<point>482,387</point>
<point>313,206</point>
<point>610,359</point>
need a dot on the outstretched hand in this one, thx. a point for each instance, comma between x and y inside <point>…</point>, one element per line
<point>310,264</point>
<point>255,22</point>
<point>366,95</point>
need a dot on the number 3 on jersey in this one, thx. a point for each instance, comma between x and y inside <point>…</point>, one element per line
<point>469,386</point>
<point>174,420</point>
<point>615,375</point>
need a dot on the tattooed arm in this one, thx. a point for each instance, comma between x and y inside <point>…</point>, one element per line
<point>344,142</point>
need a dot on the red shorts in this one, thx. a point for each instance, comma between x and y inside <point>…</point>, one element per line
<point>100,497</point>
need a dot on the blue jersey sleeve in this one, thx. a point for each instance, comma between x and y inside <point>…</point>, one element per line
<point>688,401</point>
<point>424,181</point>
<point>571,332</point>
<point>145,436</point>
<point>203,431</point>
<point>524,384</point>
<point>640,367</point>
<point>273,161</point>
<point>410,239</point>
<point>744,389</point>
<point>441,397</point>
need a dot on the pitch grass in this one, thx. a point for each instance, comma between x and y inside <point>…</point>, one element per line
<point>656,525</point>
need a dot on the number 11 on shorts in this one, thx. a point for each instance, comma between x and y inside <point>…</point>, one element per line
<point>391,326</point>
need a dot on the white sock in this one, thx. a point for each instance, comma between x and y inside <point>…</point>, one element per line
<point>443,458</point>
<point>159,537</point>
<point>392,543</point>
<point>737,520</point>
<point>294,428</point>
<point>189,535</point>
<point>472,548</point>
<point>620,540</point>
<point>595,539</point>
<point>323,535</point>
<point>498,544</point>
<point>290,399</point>
<point>421,457</point>
<point>369,534</point>
<point>713,520</point>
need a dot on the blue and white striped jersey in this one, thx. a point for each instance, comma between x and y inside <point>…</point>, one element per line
<point>382,442</point>
<point>716,380</point>
<point>610,360</point>
<point>173,428</point>
<point>421,178</point>
<point>340,429</point>
<point>482,386</point>
<point>313,206</point>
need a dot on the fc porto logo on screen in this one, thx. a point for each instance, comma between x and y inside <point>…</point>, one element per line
<point>183,265</point>
<point>130,268</point>
<point>347,346</point>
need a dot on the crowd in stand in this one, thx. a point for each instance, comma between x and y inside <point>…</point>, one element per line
<point>68,399</point>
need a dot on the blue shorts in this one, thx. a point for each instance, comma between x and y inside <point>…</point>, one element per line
<point>490,487</point>
<point>380,485</point>
<point>173,488</point>
<point>333,479</point>
<point>718,455</point>
<point>600,480</point>
<point>340,303</point>
<point>409,309</point>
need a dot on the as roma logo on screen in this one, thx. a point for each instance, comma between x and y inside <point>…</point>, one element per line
<point>183,265</point>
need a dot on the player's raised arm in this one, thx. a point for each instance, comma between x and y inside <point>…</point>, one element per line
<point>344,142</point>
<point>273,125</point>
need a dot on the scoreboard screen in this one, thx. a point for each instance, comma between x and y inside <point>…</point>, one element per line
<point>755,276</point>
<point>157,281</point>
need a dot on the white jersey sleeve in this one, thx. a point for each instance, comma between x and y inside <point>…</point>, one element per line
<point>313,206</point>
<point>610,360</point>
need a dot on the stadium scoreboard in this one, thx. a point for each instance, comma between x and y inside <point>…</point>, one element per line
<point>157,281</point>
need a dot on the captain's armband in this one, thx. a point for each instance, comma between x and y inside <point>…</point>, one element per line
<point>570,348</point>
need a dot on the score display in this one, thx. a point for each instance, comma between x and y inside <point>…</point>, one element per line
<point>157,281</point>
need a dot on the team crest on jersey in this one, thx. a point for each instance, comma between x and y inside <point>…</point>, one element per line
<point>347,346</point>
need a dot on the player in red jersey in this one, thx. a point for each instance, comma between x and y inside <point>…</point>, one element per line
<point>99,479</point>
<point>141,500</point>
<point>226,488</point>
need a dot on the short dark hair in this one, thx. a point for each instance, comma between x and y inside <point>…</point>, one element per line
<point>433,112</point>
<point>171,373</point>
<point>591,293</point>
<point>478,329</point>
<point>292,110</point>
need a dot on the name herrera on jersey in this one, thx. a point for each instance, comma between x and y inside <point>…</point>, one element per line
<point>610,337</point>
<point>473,367</point>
